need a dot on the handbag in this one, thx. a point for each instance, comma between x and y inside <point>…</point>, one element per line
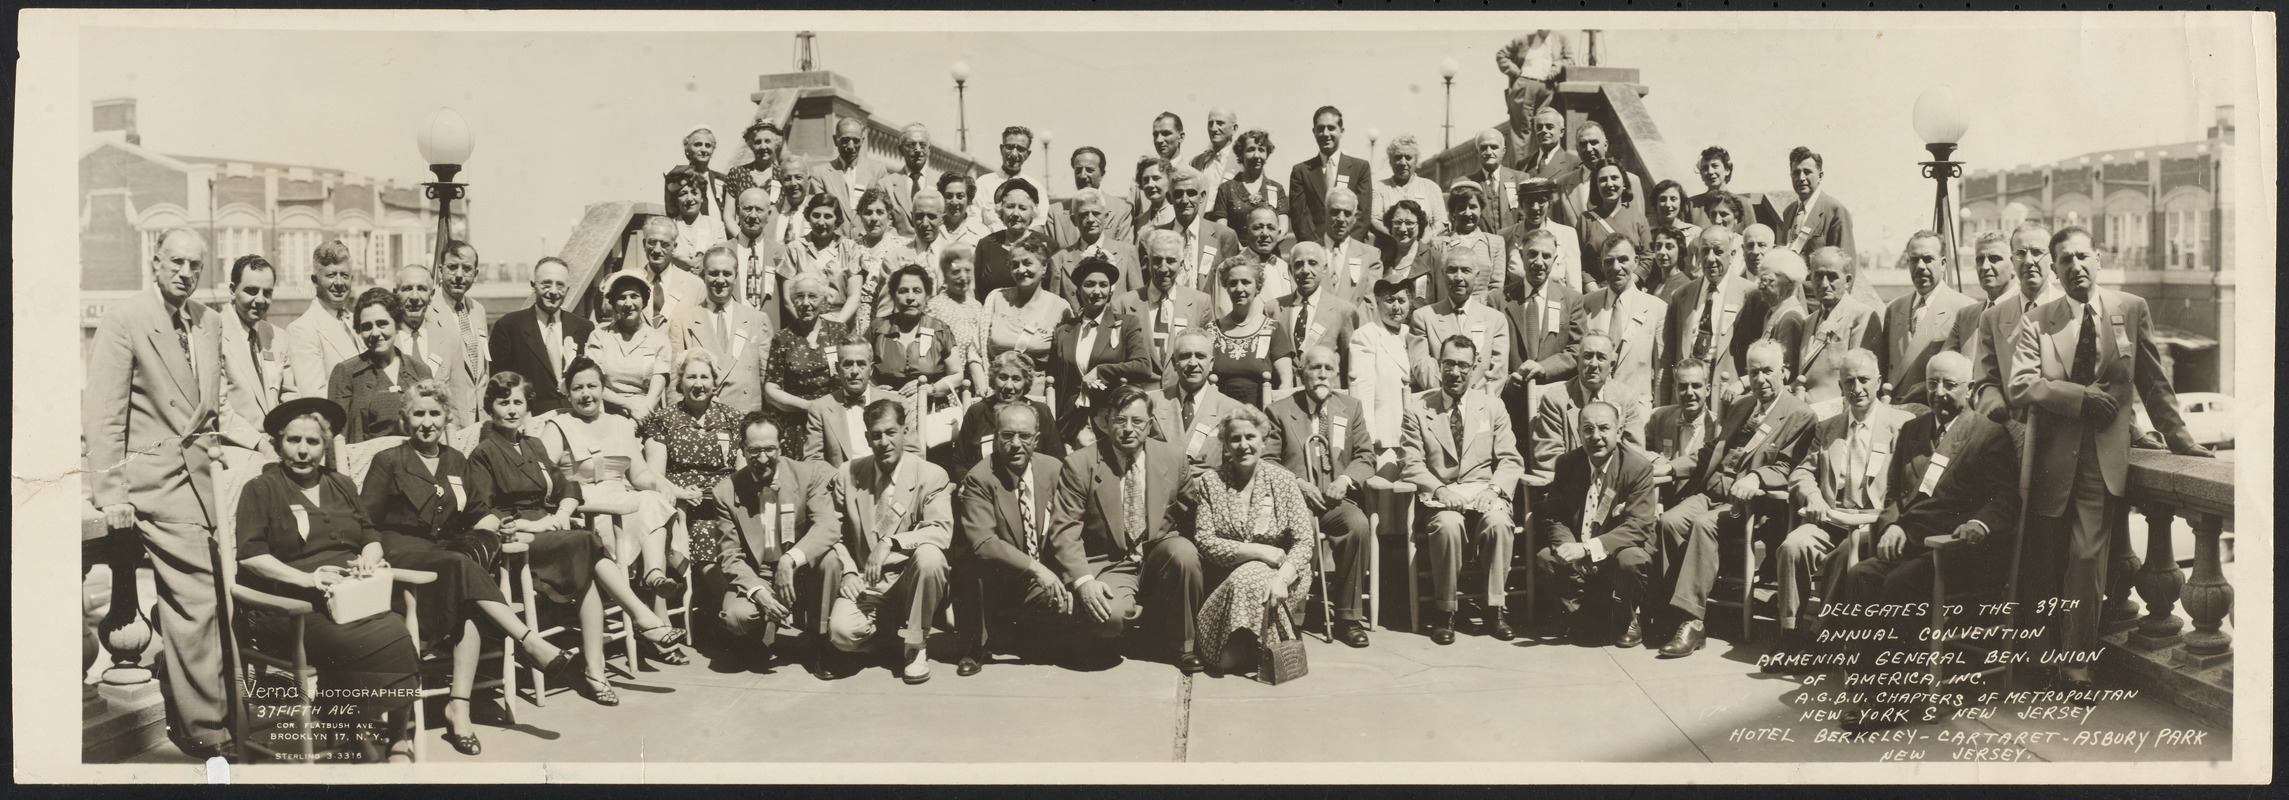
<point>1280,658</point>
<point>356,598</point>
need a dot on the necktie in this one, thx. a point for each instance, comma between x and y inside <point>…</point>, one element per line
<point>1454,419</point>
<point>183,336</point>
<point>1615,322</point>
<point>1188,407</point>
<point>1707,336</point>
<point>1303,318</point>
<point>469,343</point>
<point>2086,349</point>
<point>1593,507</point>
<point>1532,346</point>
<point>883,524</point>
<point>754,280</point>
<point>723,328</point>
<point>1856,459</point>
<point>1025,517</point>
<point>1133,499</point>
<point>555,345</point>
<point>254,355</point>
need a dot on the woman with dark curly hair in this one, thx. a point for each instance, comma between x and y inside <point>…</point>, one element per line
<point>371,385</point>
<point>1251,187</point>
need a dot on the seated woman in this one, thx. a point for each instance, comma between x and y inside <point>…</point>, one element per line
<point>1250,345</point>
<point>300,531</point>
<point>1012,378</point>
<point>526,501</point>
<point>800,366</point>
<point>695,442</point>
<point>600,453</point>
<point>370,386</point>
<point>1022,317</point>
<point>958,306</point>
<point>1250,519</point>
<point>632,353</point>
<point>1118,353</point>
<point>1407,221</point>
<point>417,495</point>
<point>913,351</point>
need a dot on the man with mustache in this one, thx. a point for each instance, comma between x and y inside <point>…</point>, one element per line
<point>1547,157</point>
<point>1457,449</point>
<point>154,381</point>
<point>1595,527</point>
<point>1840,486</point>
<point>1916,325</point>
<point>1677,435</point>
<point>255,377</point>
<point>1310,182</point>
<point>1318,435</point>
<point>321,337</point>
<point>539,340</point>
<point>1815,220</point>
<point>2075,361</point>
<point>2031,266</point>
<point>1350,263</point>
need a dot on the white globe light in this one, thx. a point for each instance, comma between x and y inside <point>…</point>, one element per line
<point>446,139</point>
<point>1447,68</point>
<point>961,70</point>
<point>1938,117</point>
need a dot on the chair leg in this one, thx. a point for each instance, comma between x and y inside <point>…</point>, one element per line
<point>1938,615</point>
<point>306,680</point>
<point>1374,566</point>
<point>1748,580</point>
<point>532,620</point>
<point>508,655</point>
<point>1414,585</point>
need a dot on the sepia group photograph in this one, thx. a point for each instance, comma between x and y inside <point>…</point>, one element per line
<point>1357,397</point>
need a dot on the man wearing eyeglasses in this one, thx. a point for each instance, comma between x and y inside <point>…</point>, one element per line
<point>849,175</point>
<point>913,176</point>
<point>1002,522</point>
<point>1318,435</point>
<point>2031,265</point>
<point>777,505</point>
<point>1016,148</point>
<point>1117,539</point>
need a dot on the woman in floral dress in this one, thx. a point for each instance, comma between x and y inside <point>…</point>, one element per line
<point>694,442</point>
<point>801,366</point>
<point>958,306</point>
<point>1250,519</point>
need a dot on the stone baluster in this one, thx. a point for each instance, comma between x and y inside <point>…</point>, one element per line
<point>125,633</point>
<point>2122,570</point>
<point>2208,598</point>
<point>2159,582</point>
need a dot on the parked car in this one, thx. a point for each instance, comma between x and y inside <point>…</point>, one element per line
<point>2208,415</point>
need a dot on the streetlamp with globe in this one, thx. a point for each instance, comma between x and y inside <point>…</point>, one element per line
<point>1939,121</point>
<point>961,73</point>
<point>1447,70</point>
<point>445,143</point>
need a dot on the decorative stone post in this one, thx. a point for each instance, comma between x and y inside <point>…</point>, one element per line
<point>2208,597</point>
<point>2159,583</point>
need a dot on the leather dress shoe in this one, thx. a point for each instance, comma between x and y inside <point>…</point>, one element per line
<point>1190,664</point>
<point>970,665</point>
<point>1501,630</point>
<point>1442,629</point>
<point>1351,632</point>
<point>1632,633</point>
<point>917,667</point>
<point>1692,635</point>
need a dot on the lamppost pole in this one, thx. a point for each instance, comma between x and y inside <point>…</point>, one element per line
<point>961,70</point>
<point>1447,70</point>
<point>445,143</point>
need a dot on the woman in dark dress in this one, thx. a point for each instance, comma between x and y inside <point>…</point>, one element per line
<point>300,531</point>
<point>1250,345</point>
<point>512,478</point>
<point>1250,188</point>
<point>370,386</point>
<point>418,496</point>
<point>801,366</point>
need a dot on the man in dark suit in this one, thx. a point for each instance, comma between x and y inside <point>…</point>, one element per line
<point>774,503</point>
<point>1310,182</point>
<point>1499,183</point>
<point>1677,435</point>
<point>1094,353</point>
<point>1548,158</point>
<point>1597,521</point>
<point>1538,310</point>
<point>1116,538</point>
<point>539,340</point>
<point>154,386</point>
<point>1002,543</point>
<point>1702,316</point>
<point>1317,434</point>
<point>1315,315</point>
<point>1816,219</point>
<point>1991,372</point>
<point>851,173</point>
<point>2075,361</point>
<point>1092,239</point>
<point>1916,325</point>
<point>1760,437</point>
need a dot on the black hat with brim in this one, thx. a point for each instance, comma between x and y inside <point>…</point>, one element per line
<point>299,407</point>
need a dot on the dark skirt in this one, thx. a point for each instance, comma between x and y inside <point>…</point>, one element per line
<point>564,563</point>
<point>463,579</point>
<point>368,667</point>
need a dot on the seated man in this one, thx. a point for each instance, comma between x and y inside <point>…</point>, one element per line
<point>779,507</point>
<point>1188,412</point>
<point>1465,477</point>
<point>1114,537</point>
<point>889,570</point>
<point>1839,487</point>
<point>1557,409</point>
<point>1965,489</point>
<point>1318,435</point>
<point>1759,437</point>
<point>1596,521</point>
<point>836,427</point>
<point>1002,556</point>
<point>1677,436</point>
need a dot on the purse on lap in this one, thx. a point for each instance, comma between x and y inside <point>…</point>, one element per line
<point>1280,656</point>
<point>354,599</point>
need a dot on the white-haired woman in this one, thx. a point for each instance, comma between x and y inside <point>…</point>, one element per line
<point>800,366</point>
<point>696,443</point>
<point>1408,183</point>
<point>1249,517</point>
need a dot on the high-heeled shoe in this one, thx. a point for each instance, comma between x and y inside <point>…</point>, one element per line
<point>555,667</point>
<point>596,689</point>
<point>665,648</point>
<point>465,744</point>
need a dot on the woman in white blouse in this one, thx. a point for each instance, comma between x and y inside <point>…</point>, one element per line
<point>1022,317</point>
<point>632,353</point>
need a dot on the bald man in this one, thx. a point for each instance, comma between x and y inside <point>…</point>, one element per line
<point>540,340</point>
<point>1487,328</point>
<point>1188,411</point>
<point>150,404</point>
<point>912,177</point>
<point>1317,433</point>
<point>1206,242</point>
<point>1218,163</point>
<point>1840,486</point>
<point>1556,416</point>
<point>1310,182</point>
<point>1500,183</point>
<point>1835,323</point>
<point>426,337</point>
<point>851,172</point>
<point>1915,326</point>
<point>1352,264</point>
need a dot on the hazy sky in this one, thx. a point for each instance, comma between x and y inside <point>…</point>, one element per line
<point>564,119</point>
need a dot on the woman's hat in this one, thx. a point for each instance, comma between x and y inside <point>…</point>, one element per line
<point>298,407</point>
<point>1094,265</point>
<point>643,284</point>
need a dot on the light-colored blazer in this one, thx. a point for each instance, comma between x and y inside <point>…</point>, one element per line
<point>315,342</point>
<point>1381,377</point>
<point>461,378</point>
<point>1199,442</point>
<point>1827,336</point>
<point>1430,326</point>
<point>739,360</point>
<point>1636,349</point>
<point>1431,458</point>
<point>901,190</point>
<point>1999,327</point>
<point>1557,423</point>
<point>829,434</point>
<point>144,401</point>
<point>916,508</point>
<point>2043,360</point>
<point>246,399</point>
<point>1909,344</point>
<point>1826,468</point>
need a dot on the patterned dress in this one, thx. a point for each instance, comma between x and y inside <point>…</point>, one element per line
<point>1243,357</point>
<point>804,369</point>
<point>1269,510</point>
<point>701,453</point>
<point>966,316</point>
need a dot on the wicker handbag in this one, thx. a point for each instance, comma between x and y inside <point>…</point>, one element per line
<point>1279,656</point>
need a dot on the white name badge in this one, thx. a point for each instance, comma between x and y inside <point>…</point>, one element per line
<point>1763,432</point>
<point>460,494</point>
<point>1358,270</point>
<point>301,521</point>
<point>1932,473</point>
<point>1335,431</point>
<point>1208,254</point>
<point>985,443</point>
<point>1312,332</point>
<point>1264,346</point>
<point>1199,438</point>
<point>738,343</point>
<point>723,440</point>
<point>1342,181</point>
<point>1478,333</point>
<point>786,518</point>
<point>436,363</point>
<point>2121,336</point>
<point>1549,319</point>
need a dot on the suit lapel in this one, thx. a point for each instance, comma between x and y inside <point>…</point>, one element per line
<point>170,349</point>
<point>1108,491</point>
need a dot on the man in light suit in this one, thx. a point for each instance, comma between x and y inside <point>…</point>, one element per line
<point>1991,257</point>
<point>1118,539</point>
<point>1164,307</point>
<point>1002,549</point>
<point>836,428</point>
<point>1218,161</point>
<point>1016,147</point>
<point>1840,486</point>
<point>426,337</point>
<point>1534,197</point>
<point>464,324</point>
<point>889,567</point>
<point>1317,434</point>
<point>154,384</point>
<point>1500,183</point>
<point>1351,263</point>
<point>1991,374</point>
<point>1759,438</point>
<point>676,292</point>
<point>737,334</point>
<point>255,376</point>
<point>1205,242</point>
<point>2075,361</point>
<point>1837,324</point>
<point>759,255</point>
<point>1089,173</point>
<point>1776,311</point>
<point>1487,329</point>
<point>912,177</point>
<point>1916,325</point>
<point>1092,239</point>
<point>1815,219</point>
<point>321,337</point>
<point>1465,479</point>
<point>1556,417</point>
<point>1310,182</point>
<point>1598,523</point>
<point>851,172</point>
<point>540,340</point>
<point>1381,371</point>
<point>1315,314</point>
<point>1634,321</point>
<point>1703,316</point>
<point>1188,412</point>
<point>775,503</point>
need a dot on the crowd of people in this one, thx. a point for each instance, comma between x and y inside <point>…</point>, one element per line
<point>838,399</point>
